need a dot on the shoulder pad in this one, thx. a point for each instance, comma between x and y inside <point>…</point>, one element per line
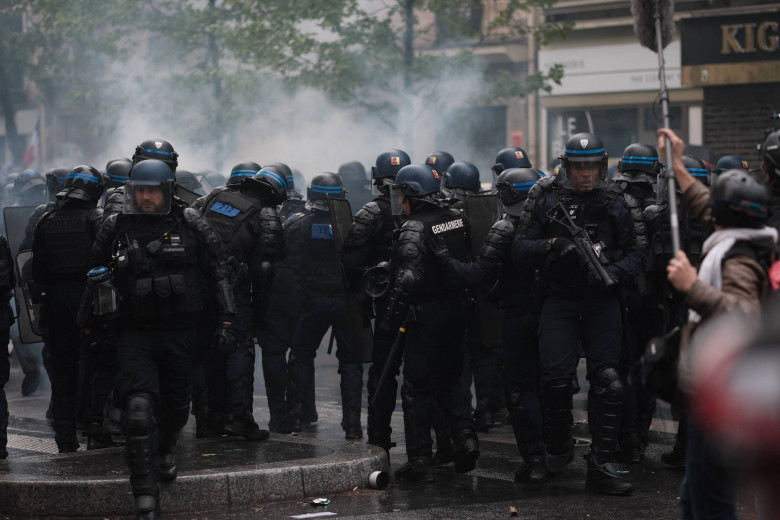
<point>368,214</point>
<point>293,219</point>
<point>192,215</point>
<point>413,225</point>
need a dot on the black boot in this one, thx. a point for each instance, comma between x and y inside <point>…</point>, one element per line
<point>147,507</point>
<point>247,428</point>
<point>467,452</point>
<point>4,436</point>
<point>444,451</point>
<point>419,469</point>
<point>351,424</point>
<point>603,478</point>
<point>98,438</point>
<point>539,471</point>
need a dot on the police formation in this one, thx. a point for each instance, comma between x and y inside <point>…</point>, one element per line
<point>149,287</point>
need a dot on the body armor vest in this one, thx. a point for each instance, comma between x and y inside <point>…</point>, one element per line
<point>321,267</point>
<point>157,267</point>
<point>451,226</point>
<point>227,211</point>
<point>69,235</point>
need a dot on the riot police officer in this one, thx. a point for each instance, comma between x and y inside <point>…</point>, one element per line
<point>430,305</point>
<point>513,293</point>
<point>159,254</point>
<point>369,241</point>
<point>356,183</point>
<point>238,174</point>
<point>581,306</point>
<point>638,171</point>
<point>310,239</point>
<point>460,180</point>
<point>62,247</point>
<point>247,223</point>
<point>511,157</point>
<point>7,284</point>
<point>439,162</point>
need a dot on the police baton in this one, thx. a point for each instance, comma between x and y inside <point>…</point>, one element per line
<point>394,351</point>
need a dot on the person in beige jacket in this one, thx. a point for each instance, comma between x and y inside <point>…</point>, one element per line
<point>732,278</point>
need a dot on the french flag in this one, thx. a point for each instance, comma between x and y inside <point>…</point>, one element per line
<point>32,149</point>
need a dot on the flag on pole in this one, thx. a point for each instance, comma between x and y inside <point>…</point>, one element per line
<point>32,149</point>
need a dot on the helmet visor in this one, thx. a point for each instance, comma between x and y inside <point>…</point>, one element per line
<point>147,198</point>
<point>397,199</point>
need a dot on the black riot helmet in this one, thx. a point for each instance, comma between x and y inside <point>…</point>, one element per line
<point>584,147</point>
<point>186,180</point>
<point>461,178</point>
<point>770,155</point>
<point>29,187</point>
<point>512,157</point>
<point>83,183</point>
<point>118,171</point>
<point>159,149</point>
<point>242,171</point>
<point>639,164</point>
<point>325,185</point>
<point>730,162</point>
<point>267,185</point>
<point>417,181</point>
<point>55,181</point>
<point>697,168</point>
<point>388,164</point>
<point>739,200</point>
<point>154,176</point>
<point>440,162</point>
<point>513,185</point>
<point>286,172</point>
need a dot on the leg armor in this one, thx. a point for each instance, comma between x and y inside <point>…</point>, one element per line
<point>604,410</point>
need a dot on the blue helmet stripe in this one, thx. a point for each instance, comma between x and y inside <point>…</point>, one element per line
<point>317,188</point>
<point>581,152</point>
<point>274,176</point>
<point>522,186</point>
<point>83,176</point>
<point>118,178</point>
<point>158,152</point>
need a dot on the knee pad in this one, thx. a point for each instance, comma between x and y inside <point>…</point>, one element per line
<point>607,383</point>
<point>139,415</point>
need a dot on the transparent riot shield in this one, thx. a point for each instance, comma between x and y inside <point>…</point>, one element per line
<point>16,219</point>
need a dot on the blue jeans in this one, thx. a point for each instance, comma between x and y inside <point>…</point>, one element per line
<point>709,489</point>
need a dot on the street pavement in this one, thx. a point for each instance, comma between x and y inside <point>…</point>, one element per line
<point>488,492</point>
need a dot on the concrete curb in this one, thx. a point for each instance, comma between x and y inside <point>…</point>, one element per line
<point>345,466</point>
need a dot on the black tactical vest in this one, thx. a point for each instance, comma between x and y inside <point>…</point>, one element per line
<point>321,268</point>
<point>451,226</point>
<point>160,276</point>
<point>69,235</point>
<point>227,211</point>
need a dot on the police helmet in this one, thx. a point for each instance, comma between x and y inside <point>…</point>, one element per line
<point>353,173</point>
<point>285,171</point>
<point>639,157</point>
<point>28,182</point>
<point>417,180</point>
<point>145,175</point>
<point>770,153</point>
<point>697,168</point>
<point>215,179</point>
<point>513,185</point>
<point>462,175</point>
<point>241,172</point>
<point>118,171</point>
<point>739,200</point>
<point>584,147</point>
<point>389,163</point>
<point>187,180</point>
<point>267,185</point>
<point>730,162</point>
<point>440,162</point>
<point>55,181</point>
<point>512,157</point>
<point>83,183</point>
<point>159,149</point>
<point>325,185</point>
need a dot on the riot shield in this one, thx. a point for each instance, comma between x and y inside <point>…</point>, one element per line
<point>357,304</point>
<point>482,212</point>
<point>16,219</point>
<point>340,220</point>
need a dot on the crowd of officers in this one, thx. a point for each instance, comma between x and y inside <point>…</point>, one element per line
<point>506,288</point>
